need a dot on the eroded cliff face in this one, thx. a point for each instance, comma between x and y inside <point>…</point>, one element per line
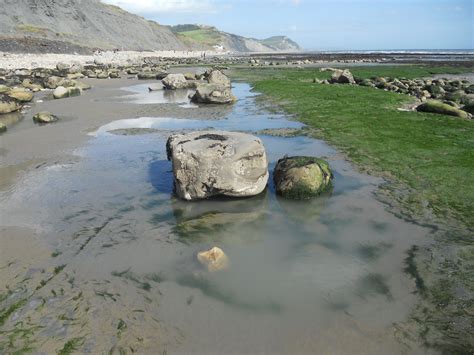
<point>87,23</point>
<point>80,25</point>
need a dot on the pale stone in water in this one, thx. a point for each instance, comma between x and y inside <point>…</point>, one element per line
<point>214,259</point>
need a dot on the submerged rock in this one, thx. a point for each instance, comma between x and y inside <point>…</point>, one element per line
<point>302,177</point>
<point>206,224</point>
<point>61,92</point>
<point>3,127</point>
<point>217,163</point>
<point>433,106</point>
<point>213,94</point>
<point>213,259</point>
<point>146,76</point>
<point>44,117</point>
<point>8,104</point>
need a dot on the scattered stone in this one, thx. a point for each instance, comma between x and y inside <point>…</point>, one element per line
<point>102,75</point>
<point>469,108</point>
<point>32,86</point>
<point>175,81</point>
<point>8,104</point>
<point>20,95</point>
<point>146,76</point>
<point>114,75</point>
<point>61,92</point>
<point>342,77</point>
<point>62,66</point>
<point>217,163</point>
<point>213,259</point>
<point>302,177</point>
<point>44,117</point>
<point>433,106</point>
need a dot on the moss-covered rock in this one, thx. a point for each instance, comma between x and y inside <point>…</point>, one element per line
<point>435,90</point>
<point>433,106</point>
<point>456,96</point>
<point>302,177</point>
<point>469,108</point>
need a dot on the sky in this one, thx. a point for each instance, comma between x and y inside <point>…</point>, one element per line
<point>326,24</point>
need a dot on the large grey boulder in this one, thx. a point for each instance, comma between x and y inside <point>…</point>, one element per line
<point>175,81</point>
<point>216,77</point>
<point>213,94</point>
<point>217,163</point>
<point>342,77</point>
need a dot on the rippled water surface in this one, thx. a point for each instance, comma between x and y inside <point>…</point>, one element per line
<point>318,276</point>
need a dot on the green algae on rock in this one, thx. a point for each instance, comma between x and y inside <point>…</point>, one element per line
<point>433,106</point>
<point>302,177</point>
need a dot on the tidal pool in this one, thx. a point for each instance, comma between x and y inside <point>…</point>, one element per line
<point>318,276</point>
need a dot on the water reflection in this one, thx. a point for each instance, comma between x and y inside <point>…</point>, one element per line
<point>295,268</point>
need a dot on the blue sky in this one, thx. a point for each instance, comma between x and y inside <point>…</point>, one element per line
<point>327,24</point>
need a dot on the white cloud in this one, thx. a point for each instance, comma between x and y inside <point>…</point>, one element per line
<point>152,7</point>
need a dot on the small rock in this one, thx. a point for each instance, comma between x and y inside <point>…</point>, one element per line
<point>61,92</point>
<point>44,117</point>
<point>62,66</point>
<point>213,259</point>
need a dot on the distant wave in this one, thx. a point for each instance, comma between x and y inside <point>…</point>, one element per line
<point>402,51</point>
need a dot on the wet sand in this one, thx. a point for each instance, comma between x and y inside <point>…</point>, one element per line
<point>96,249</point>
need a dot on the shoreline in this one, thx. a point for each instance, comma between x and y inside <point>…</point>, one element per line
<point>15,61</point>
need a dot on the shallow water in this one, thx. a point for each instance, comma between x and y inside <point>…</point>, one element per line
<point>319,276</point>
